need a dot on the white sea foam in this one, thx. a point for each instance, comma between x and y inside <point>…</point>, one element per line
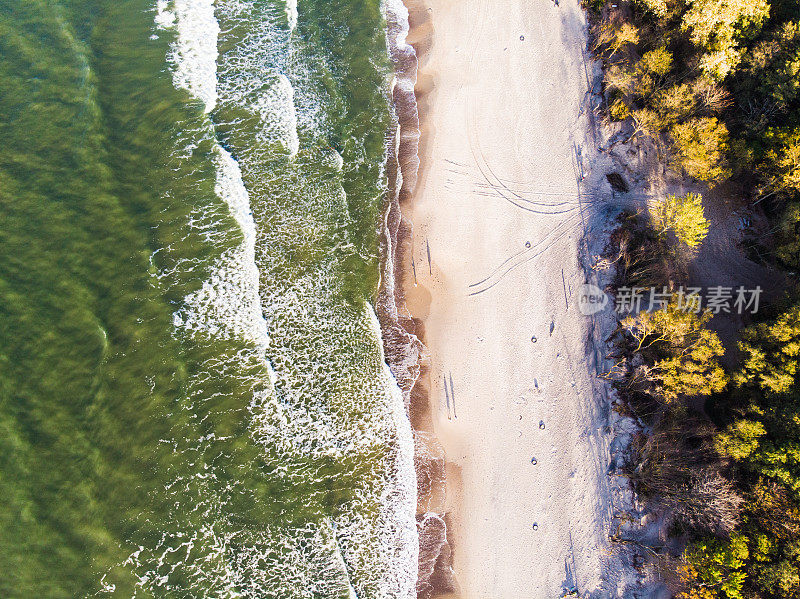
<point>291,14</point>
<point>194,54</point>
<point>164,18</point>
<point>399,501</point>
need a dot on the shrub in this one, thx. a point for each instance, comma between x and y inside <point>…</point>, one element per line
<point>707,502</point>
<point>619,77</point>
<point>659,8</point>
<point>619,111</point>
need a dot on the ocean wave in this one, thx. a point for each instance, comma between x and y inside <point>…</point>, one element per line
<point>194,53</point>
<point>326,395</point>
<point>228,303</point>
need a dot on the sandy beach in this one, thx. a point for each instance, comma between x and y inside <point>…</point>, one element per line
<point>507,184</point>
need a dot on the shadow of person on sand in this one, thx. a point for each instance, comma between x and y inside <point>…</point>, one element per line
<point>568,587</point>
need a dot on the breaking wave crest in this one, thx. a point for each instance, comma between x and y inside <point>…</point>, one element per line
<point>194,54</point>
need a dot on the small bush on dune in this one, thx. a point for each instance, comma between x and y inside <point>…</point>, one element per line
<point>643,258</point>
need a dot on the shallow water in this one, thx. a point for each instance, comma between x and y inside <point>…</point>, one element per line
<point>193,397</point>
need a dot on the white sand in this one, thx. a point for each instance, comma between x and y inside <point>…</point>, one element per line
<point>501,125</point>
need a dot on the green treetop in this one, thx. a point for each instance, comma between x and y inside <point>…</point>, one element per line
<point>718,26</point>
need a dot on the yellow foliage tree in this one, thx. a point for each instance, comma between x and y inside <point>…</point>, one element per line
<point>740,439</point>
<point>687,354</point>
<point>651,71</point>
<point>772,354</point>
<point>615,36</point>
<point>784,160</point>
<point>713,568</point>
<point>646,122</point>
<point>682,215</point>
<point>675,103</point>
<point>699,147</point>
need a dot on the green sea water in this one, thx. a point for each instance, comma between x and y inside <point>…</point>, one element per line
<point>193,399</point>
